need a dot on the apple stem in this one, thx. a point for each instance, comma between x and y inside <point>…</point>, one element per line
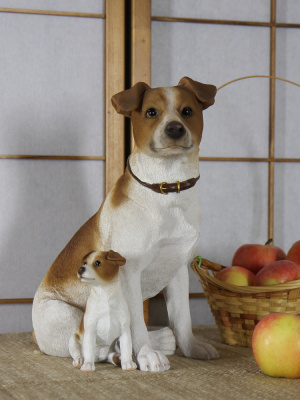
<point>269,242</point>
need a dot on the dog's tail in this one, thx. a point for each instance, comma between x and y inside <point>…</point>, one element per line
<point>33,336</point>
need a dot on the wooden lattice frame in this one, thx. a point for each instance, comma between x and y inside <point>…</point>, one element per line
<point>115,81</point>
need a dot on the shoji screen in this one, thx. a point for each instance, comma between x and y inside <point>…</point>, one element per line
<point>61,147</point>
<point>250,151</point>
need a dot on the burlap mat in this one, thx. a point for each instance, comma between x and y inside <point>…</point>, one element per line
<point>25,373</point>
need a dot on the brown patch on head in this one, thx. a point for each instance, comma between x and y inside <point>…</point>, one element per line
<point>105,264</point>
<point>152,109</point>
<point>169,104</point>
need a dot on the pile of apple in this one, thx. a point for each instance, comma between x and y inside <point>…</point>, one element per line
<point>276,337</point>
<point>262,265</point>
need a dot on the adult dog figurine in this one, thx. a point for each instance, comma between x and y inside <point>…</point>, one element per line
<point>152,217</point>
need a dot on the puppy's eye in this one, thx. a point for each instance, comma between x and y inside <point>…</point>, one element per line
<point>151,113</point>
<point>84,263</point>
<point>97,263</point>
<point>187,112</point>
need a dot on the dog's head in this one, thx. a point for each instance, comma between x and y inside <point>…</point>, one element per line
<point>100,267</point>
<point>166,121</point>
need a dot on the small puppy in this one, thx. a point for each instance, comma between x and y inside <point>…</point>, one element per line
<point>106,317</point>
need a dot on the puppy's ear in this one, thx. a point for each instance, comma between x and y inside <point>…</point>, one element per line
<point>113,256</point>
<point>129,100</point>
<point>204,93</point>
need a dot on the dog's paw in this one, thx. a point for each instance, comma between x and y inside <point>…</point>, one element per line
<point>128,365</point>
<point>163,340</point>
<point>87,367</point>
<point>152,360</point>
<point>77,362</point>
<point>200,350</point>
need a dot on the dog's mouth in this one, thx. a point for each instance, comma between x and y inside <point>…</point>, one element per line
<point>83,278</point>
<point>173,147</point>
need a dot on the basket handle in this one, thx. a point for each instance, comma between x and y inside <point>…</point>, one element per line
<point>214,267</point>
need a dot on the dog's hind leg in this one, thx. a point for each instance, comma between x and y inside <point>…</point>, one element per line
<point>163,340</point>
<point>75,350</point>
<point>54,322</point>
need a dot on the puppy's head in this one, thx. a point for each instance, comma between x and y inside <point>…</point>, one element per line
<point>166,121</point>
<point>100,267</point>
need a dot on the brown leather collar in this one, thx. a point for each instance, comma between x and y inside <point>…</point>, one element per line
<point>164,187</point>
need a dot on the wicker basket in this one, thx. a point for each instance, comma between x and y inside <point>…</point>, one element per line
<point>237,309</point>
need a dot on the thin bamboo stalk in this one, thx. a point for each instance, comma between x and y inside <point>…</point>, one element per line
<point>48,157</point>
<point>115,82</point>
<point>251,159</point>
<point>141,61</point>
<point>272,122</point>
<point>51,13</point>
<point>16,301</point>
<point>225,22</point>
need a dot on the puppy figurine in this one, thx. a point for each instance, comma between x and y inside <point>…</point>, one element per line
<point>106,317</point>
<point>152,216</point>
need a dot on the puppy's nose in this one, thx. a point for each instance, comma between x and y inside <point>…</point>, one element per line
<point>81,271</point>
<point>175,130</point>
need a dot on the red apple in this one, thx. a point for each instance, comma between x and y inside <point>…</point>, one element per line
<point>277,272</point>
<point>256,256</point>
<point>276,345</point>
<point>294,253</point>
<point>236,276</point>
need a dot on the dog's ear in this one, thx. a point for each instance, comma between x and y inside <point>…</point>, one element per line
<point>204,93</point>
<point>113,256</point>
<point>129,100</point>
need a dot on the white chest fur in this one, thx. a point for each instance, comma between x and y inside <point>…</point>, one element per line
<point>106,312</point>
<point>156,233</point>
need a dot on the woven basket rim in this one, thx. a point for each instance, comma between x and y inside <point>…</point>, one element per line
<point>206,266</point>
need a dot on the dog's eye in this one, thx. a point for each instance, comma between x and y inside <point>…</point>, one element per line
<point>151,113</point>
<point>97,263</point>
<point>84,263</point>
<point>187,112</point>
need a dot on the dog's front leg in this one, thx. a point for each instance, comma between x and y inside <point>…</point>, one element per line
<point>147,358</point>
<point>177,299</point>
<point>88,348</point>
<point>126,349</point>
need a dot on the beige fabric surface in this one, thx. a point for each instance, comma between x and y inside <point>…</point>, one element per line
<point>25,373</point>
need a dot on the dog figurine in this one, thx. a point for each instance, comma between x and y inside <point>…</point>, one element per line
<point>152,217</point>
<point>106,316</point>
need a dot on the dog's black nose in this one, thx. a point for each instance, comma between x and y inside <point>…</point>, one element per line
<point>81,271</point>
<point>175,130</point>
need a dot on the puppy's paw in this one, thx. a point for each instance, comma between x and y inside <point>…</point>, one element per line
<point>151,360</point>
<point>163,340</point>
<point>200,350</point>
<point>128,365</point>
<point>88,367</point>
<point>77,362</point>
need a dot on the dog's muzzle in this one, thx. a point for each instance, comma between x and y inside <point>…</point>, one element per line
<point>175,130</point>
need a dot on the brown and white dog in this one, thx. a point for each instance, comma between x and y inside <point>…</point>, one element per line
<point>152,217</point>
<point>106,318</point>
